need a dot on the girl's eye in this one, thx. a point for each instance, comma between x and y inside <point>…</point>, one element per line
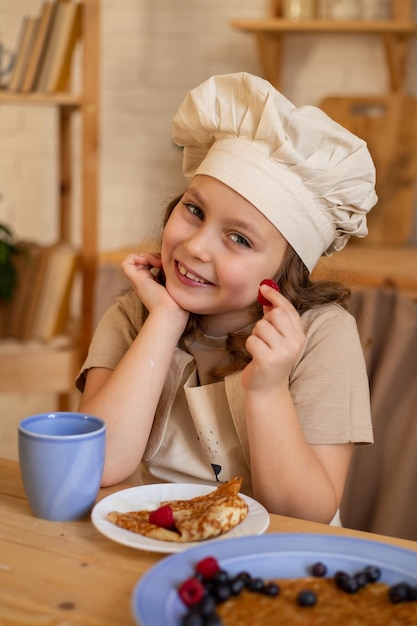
<point>240,240</point>
<point>194,210</point>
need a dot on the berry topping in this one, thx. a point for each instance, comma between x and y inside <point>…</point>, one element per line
<point>207,567</point>
<point>400,593</point>
<point>271,283</point>
<point>412,594</point>
<point>341,578</point>
<point>191,591</point>
<point>319,570</point>
<point>307,598</point>
<point>193,619</point>
<point>237,585</point>
<point>373,573</point>
<point>221,576</point>
<point>350,585</point>
<point>361,579</point>
<point>212,585</point>
<point>255,584</point>
<point>163,517</point>
<point>222,592</point>
<point>270,589</point>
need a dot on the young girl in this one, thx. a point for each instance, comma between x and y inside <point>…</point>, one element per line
<point>196,381</point>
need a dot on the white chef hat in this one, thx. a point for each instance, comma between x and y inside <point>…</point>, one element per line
<point>312,178</point>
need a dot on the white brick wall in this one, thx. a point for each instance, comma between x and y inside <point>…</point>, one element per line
<point>153,52</point>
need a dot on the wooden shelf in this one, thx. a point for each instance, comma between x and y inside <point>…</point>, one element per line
<point>29,99</point>
<point>281,26</point>
<point>394,34</point>
<point>48,368</point>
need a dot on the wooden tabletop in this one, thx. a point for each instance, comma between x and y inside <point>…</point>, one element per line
<point>67,573</point>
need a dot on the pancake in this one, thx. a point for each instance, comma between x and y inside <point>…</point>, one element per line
<point>370,606</point>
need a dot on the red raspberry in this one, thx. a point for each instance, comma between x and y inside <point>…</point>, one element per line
<point>271,283</point>
<point>163,517</point>
<point>207,567</point>
<point>191,591</point>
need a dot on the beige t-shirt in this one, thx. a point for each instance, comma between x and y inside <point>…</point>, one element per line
<point>199,432</point>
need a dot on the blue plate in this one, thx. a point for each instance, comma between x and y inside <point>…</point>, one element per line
<point>155,601</point>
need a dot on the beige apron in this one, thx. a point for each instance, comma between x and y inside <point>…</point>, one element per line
<point>208,422</point>
<point>196,434</point>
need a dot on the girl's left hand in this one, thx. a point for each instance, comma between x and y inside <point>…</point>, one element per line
<point>275,344</point>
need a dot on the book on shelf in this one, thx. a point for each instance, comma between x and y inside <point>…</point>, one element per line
<point>40,259</point>
<point>44,30</point>
<point>55,71</point>
<point>23,51</point>
<point>27,263</point>
<point>41,303</point>
<point>53,304</point>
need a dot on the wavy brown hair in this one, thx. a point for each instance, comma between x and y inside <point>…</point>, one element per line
<point>295,284</point>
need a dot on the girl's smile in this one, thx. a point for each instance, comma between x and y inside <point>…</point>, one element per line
<point>216,249</point>
<point>189,277</point>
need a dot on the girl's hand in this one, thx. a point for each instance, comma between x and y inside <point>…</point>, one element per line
<point>275,344</point>
<point>138,268</point>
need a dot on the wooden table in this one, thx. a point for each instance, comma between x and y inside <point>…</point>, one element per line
<point>67,573</point>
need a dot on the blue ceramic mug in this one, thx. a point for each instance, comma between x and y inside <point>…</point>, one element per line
<point>61,458</point>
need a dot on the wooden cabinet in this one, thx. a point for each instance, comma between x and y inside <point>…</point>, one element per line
<point>47,368</point>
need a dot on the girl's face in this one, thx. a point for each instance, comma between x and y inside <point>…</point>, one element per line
<point>216,249</point>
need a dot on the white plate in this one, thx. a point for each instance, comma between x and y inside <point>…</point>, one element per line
<point>155,600</point>
<point>150,497</point>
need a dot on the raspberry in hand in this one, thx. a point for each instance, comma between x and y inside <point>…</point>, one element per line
<point>271,283</point>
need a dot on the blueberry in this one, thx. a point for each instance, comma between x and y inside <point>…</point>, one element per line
<point>213,620</point>
<point>207,605</point>
<point>373,573</point>
<point>255,584</point>
<point>412,594</point>
<point>220,576</point>
<point>237,585</point>
<point>192,619</point>
<point>245,576</point>
<point>340,578</point>
<point>199,577</point>
<point>307,598</point>
<point>270,589</point>
<point>319,569</point>
<point>222,592</point>
<point>349,585</point>
<point>361,579</point>
<point>399,593</point>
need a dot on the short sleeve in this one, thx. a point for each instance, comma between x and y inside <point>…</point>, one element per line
<point>114,335</point>
<point>329,384</point>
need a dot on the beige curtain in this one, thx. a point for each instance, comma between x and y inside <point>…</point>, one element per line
<point>381,493</point>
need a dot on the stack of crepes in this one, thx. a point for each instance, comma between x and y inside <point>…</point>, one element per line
<point>196,519</point>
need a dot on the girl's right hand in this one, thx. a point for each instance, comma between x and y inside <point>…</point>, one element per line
<point>275,344</point>
<point>138,268</point>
